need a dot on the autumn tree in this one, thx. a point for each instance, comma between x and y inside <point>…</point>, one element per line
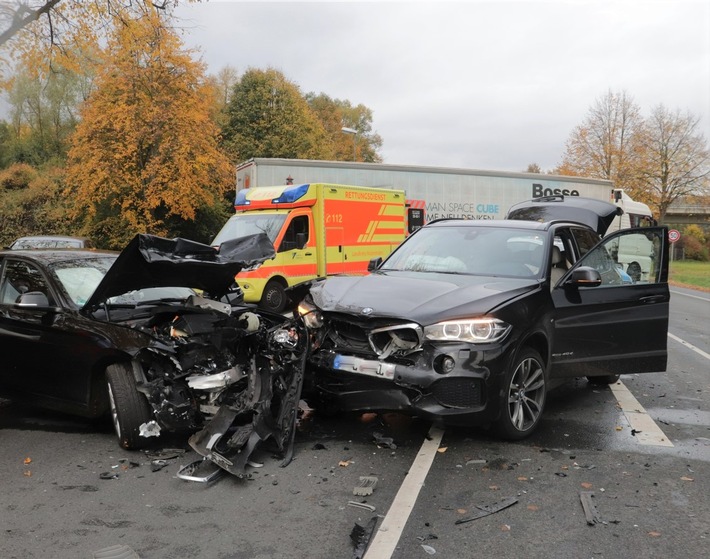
<point>606,144</point>
<point>336,114</point>
<point>145,156</point>
<point>267,116</point>
<point>32,203</point>
<point>676,160</point>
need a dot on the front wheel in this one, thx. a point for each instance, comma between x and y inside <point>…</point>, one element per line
<point>129,408</point>
<point>523,398</point>
<point>274,297</point>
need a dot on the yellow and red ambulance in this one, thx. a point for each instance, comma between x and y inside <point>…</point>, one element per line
<point>317,230</point>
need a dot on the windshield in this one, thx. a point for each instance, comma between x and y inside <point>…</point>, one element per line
<point>244,224</point>
<point>79,278</point>
<point>470,250</point>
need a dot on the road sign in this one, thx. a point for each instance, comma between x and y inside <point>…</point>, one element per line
<point>673,235</point>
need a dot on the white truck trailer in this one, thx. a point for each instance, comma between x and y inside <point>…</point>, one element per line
<point>445,192</point>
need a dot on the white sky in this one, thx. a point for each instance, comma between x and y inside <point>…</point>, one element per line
<point>473,84</point>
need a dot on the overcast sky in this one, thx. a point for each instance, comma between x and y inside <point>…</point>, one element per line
<point>474,84</point>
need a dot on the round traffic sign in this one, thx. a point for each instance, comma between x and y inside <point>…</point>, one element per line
<point>673,235</point>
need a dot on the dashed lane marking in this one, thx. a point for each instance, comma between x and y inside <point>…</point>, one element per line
<point>646,430</point>
<point>387,536</point>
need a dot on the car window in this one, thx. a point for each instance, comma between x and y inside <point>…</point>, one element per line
<point>630,257</point>
<point>584,239</point>
<point>21,277</point>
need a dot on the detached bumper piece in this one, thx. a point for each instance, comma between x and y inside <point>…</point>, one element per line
<point>267,411</point>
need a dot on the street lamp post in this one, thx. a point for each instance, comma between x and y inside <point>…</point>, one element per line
<point>352,131</point>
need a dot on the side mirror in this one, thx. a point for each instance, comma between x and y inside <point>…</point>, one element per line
<point>584,276</point>
<point>35,300</point>
<point>374,264</point>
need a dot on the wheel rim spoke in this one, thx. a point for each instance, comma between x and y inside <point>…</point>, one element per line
<point>526,393</point>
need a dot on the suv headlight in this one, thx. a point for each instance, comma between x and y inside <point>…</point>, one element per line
<point>475,331</point>
<point>310,315</point>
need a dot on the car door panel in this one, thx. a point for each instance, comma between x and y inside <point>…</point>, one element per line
<point>618,327</point>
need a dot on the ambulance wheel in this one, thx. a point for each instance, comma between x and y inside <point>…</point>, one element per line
<point>274,298</point>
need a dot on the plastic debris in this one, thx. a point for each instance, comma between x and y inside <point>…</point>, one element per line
<point>115,552</point>
<point>485,510</point>
<point>366,486</point>
<point>108,475</point>
<point>383,442</point>
<point>358,504</point>
<point>361,535</point>
<point>201,471</point>
<point>590,510</point>
<point>149,429</point>
<point>429,549</point>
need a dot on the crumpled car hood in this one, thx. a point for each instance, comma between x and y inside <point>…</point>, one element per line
<point>423,297</point>
<point>151,261</point>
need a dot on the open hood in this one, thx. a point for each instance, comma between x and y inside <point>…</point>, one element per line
<point>597,214</point>
<point>150,261</point>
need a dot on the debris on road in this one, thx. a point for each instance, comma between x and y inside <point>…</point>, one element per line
<point>359,505</point>
<point>201,471</point>
<point>590,509</point>
<point>366,486</point>
<point>115,552</point>
<point>361,535</point>
<point>485,510</point>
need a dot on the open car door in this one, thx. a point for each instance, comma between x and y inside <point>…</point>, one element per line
<point>608,321</point>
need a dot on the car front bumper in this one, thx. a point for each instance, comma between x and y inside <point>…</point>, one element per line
<point>469,394</point>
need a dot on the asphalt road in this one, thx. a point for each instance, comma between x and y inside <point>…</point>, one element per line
<point>645,490</point>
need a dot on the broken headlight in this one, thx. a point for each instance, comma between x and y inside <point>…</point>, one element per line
<point>310,315</point>
<point>475,331</point>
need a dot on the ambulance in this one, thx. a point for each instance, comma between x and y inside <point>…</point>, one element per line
<point>317,230</point>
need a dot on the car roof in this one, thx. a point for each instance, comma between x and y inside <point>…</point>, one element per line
<point>490,223</point>
<point>76,242</point>
<point>51,255</point>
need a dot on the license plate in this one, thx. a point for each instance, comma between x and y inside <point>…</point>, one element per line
<point>359,366</point>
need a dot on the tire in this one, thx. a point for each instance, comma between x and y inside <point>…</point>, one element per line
<point>129,408</point>
<point>274,297</point>
<point>603,380</point>
<point>634,271</point>
<point>523,397</point>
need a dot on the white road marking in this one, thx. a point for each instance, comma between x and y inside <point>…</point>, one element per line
<point>387,536</point>
<point>689,295</point>
<point>689,346</point>
<point>647,431</point>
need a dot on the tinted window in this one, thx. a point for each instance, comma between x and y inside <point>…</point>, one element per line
<point>21,277</point>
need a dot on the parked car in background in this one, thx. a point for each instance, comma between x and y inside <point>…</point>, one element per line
<point>157,335</point>
<point>472,322</point>
<point>50,241</point>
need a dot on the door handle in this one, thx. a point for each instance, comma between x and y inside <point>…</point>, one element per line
<point>653,299</point>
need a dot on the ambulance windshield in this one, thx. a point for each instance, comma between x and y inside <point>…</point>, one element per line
<point>244,224</point>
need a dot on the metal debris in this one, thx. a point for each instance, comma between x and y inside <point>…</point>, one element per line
<point>485,510</point>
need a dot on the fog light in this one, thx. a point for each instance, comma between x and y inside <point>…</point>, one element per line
<point>444,364</point>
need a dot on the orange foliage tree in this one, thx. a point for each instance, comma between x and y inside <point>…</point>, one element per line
<point>145,156</point>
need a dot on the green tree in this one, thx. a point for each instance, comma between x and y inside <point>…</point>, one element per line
<point>607,143</point>
<point>43,113</point>
<point>336,114</point>
<point>268,117</point>
<point>676,160</point>
<point>145,156</point>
